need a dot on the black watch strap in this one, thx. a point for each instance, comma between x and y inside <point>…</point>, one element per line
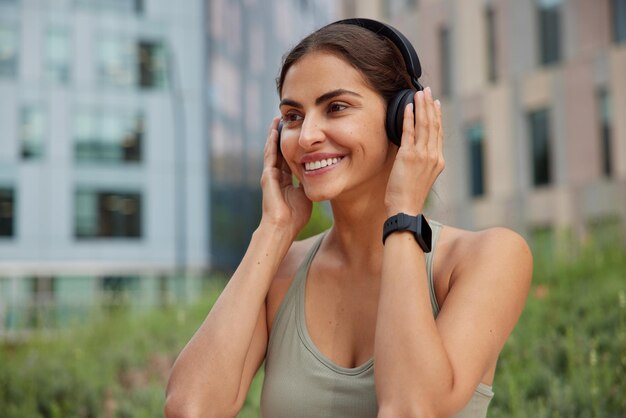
<point>416,224</point>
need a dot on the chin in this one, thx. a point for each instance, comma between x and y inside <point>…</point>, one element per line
<point>318,195</point>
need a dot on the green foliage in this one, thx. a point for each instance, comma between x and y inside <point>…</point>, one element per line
<point>320,221</point>
<point>115,366</point>
<point>566,357</point>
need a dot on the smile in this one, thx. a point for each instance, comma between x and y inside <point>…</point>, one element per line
<point>316,165</point>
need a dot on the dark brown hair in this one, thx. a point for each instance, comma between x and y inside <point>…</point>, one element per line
<point>374,56</point>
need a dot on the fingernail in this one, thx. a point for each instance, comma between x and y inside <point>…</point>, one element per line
<point>438,103</point>
<point>410,106</point>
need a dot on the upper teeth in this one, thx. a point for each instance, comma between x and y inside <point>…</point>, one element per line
<point>320,164</point>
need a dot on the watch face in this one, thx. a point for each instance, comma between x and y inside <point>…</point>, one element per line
<point>424,236</point>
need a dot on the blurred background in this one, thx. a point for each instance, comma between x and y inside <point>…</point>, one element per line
<point>131,138</point>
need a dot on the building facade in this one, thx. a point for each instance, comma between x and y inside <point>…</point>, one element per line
<point>130,142</point>
<point>246,42</point>
<point>531,91</point>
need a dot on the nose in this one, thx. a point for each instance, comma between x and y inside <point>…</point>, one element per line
<point>311,132</point>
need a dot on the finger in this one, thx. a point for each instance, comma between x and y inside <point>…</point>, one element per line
<point>433,125</point>
<point>421,121</point>
<point>286,176</point>
<point>440,131</point>
<point>408,128</point>
<point>270,153</point>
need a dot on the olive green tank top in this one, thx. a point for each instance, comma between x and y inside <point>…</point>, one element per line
<point>300,382</point>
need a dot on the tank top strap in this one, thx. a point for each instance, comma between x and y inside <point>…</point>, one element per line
<point>290,299</point>
<point>436,229</point>
<point>303,269</point>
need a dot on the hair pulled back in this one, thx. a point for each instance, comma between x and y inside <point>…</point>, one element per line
<point>374,56</point>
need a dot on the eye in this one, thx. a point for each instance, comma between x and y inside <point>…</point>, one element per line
<point>336,107</point>
<point>291,118</point>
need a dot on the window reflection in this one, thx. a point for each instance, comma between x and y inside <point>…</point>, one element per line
<point>58,55</point>
<point>8,50</point>
<point>549,31</point>
<point>606,132</point>
<point>7,212</point>
<point>105,136</point>
<point>32,132</point>
<point>107,214</point>
<point>126,63</point>
<point>119,291</point>
<point>116,62</point>
<point>475,138</point>
<point>151,68</point>
<point>539,126</point>
<point>618,14</point>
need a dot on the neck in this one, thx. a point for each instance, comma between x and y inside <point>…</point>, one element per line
<point>356,235</point>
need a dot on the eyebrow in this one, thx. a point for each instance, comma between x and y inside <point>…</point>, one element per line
<point>323,98</point>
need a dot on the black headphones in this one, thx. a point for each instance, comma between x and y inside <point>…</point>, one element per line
<point>395,107</point>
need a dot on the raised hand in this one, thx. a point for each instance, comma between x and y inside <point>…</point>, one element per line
<point>284,204</point>
<point>420,157</point>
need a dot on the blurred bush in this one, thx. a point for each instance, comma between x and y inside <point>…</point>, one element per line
<point>566,357</point>
<point>116,366</point>
<point>320,221</point>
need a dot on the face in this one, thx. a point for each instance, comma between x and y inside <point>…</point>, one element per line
<point>333,137</point>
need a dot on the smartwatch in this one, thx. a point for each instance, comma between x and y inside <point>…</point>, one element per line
<point>418,225</point>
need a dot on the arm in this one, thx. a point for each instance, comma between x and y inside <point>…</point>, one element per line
<point>212,374</point>
<point>442,361</point>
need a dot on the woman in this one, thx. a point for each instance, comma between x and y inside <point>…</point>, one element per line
<point>350,326</point>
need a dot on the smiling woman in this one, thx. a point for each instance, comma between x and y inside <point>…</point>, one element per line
<point>351,324</point>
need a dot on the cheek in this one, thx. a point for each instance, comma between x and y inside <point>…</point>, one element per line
<point>287,151</point>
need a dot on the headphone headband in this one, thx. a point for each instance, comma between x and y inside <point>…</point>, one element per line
<point>405,47</point>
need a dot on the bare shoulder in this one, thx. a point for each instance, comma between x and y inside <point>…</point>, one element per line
<point>285,274</point>
<point>491,250</point>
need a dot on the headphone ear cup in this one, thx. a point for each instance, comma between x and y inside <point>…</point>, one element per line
<point>280,128</point>
<point>395,114</point>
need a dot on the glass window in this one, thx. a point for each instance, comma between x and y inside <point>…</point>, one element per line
<point>116,62</point>
<point>105,136</point>
<point>7,212</point>
<point>604,102</point>
<point>119,290</point>
<point>124,63</point>
<point>152,64</point>
<point>445,61</point>
<point>539,128</point>
<point>42,298</point>
<point>42,289</point>
<point>490,22</point>
<point>619,20</point>
<point>107,214</point>
<point>58,55</point>
<point>475,138</point>
<point>8,50</point>
<point>32,128</point>
<point>549,31</point>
